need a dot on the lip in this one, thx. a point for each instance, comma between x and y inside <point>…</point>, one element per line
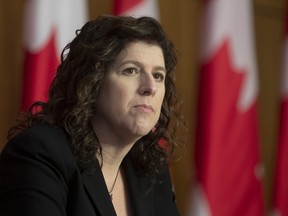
<point>144,107</point>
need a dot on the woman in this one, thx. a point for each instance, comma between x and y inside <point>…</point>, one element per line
<point>100,145</point>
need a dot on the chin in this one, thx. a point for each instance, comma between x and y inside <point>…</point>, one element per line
<point>142,131</point>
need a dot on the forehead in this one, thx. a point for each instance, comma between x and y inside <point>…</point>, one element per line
<point>142,51</point>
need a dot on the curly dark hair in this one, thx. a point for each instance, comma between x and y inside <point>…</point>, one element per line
<point>72,94</point>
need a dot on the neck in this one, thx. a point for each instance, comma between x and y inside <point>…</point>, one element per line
<point>114,149</point>
<point>114,146</point>
<point>112,157</point>
<point>111,139</point>
<point>111,163</point>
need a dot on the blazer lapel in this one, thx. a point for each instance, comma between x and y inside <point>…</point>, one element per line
<point>98,193</point>
<point>141,200</point>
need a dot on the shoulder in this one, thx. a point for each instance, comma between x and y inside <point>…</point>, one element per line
<point>39,136</point>
<point>37,169</point>
<point>41,143</point>
<point>41,132</point>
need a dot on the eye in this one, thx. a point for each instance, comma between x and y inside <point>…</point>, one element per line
<point>159,76</point>
<point>130,71</point>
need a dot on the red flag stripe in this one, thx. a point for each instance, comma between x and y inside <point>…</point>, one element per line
<point>228,165</point>
<point>136,8</point>
<point>120,7</point>
<point>280,198</point>
<point>44,38</point>
<point>39,70</point>
<point>281,179</point>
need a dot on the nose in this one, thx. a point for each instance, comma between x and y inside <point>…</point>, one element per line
<point>147,85</point>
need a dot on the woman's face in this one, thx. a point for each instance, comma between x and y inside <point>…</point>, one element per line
<point>130,99</point>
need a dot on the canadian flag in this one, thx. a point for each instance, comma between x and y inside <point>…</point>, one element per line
<point>280,201</point>
<point>136,8</point>
<point>227,159</point>
<point>48,26</point>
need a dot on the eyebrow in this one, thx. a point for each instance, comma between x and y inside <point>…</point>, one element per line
<point>139,64</point>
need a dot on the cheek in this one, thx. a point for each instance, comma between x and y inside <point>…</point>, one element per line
<point>122,90</point>
<point>161,96</point>
<point>111,90</point>
<point>119,97</point>
<point>106,99</point>
<point>159,102</point>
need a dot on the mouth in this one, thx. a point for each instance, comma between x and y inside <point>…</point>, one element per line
<point>144,108</point>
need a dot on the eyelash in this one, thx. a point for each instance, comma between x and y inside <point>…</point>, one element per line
<point>160,76</point>
<point>131,70</point>
<point>128,70</point>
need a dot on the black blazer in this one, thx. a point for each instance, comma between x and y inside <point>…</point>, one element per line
<point>39,177</point>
